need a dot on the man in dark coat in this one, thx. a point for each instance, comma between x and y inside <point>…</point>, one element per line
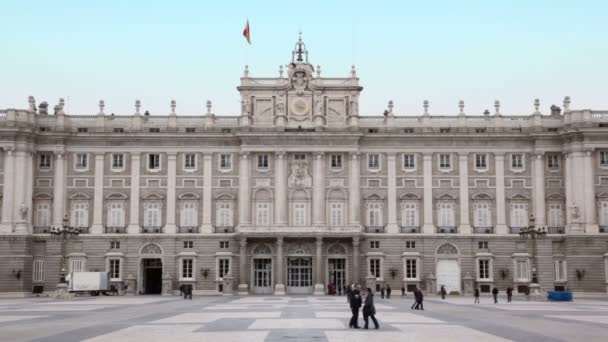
<point>476,296</point>
<point>369,310</point>
<point>415,299</point>
<point>382,292</point>
<point>348,291</point>
<point>355,304</point>
<point>495,294</point>
<point>419,299</point>
<point>509,294</point>
<point>443,292</point>
<point>388,291</point>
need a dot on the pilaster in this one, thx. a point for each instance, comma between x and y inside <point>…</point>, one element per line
<point>427,169</point>
<point>59,190</point>
<point>170,227</point>
<point>244,191</point>
<point>319,286</point>
<point>354,196</point>
<point>206,227</point>
<point>318,196</point>
<point>8,192</point>
<point>356,245</point>
<point>591,226</point>
<point>97,227</point>
<point>465,227</point>
<point>20,215</point>
<point>539,190</point>
<point>391,226</point>
<point>501,223</point>
<point>134,204</point>
<point>279,289</point>
<point>243,288</point>
<point>280,186</point>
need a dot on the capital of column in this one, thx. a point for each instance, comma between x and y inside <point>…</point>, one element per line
<point>499,155</point>
<point>280,154</point>
<point>539,154</point>
<point>243,242</point>
<point>99,155</point>
<point>463,156</point>
<point>207,155</point>
<point>171,155</point>
<point>319,155</point>
<point>354,155</point>
<point>135,155</point>
<point>319,240</point>
<point>59,155</point>
<point>244,155</point>
<point>356,241</point>
<point>427,155</point>
<point>280,241</point>
<point>589,151</point>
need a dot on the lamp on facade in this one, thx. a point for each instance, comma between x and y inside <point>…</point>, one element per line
<point>393,272</point>
<point>17,274</point>
<point>580,274</point>
<point>205,272</point>
<point>63,232</point>
<point>504,273</point>
<point>533,232</point>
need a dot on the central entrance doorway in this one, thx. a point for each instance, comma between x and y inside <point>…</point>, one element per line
<point>448,274</point>
<point>336,268</point>
<point>262,275</point>
<point>299,275</point>
<point>152,276</point>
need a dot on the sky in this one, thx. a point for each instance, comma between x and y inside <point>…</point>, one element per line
<point>406,51</point>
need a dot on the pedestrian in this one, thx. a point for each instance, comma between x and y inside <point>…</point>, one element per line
<point>509,294</point>
<point>339,290</point>
<point>443,292</point>
<point>181,290</point>
<point>369,310</point>
<point>415,299</point>
<point>419,299</point>
<point>189,292</point>
<point>348,291</point>
<point>388,291</point>
<point>476,294</point>
<point>402,291</point>
<point>355,304</point>
<point>382,292</point>
<point>495,294</point>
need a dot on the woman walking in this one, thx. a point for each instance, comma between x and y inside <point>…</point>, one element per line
<point>369,310</point>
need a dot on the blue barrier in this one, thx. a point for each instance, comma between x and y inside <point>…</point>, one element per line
<point>559,296</point>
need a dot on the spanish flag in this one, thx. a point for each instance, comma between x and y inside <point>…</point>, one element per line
<point>246,32</point>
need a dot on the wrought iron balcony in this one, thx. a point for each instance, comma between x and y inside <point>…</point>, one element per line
<point>151,229</point>
<point>82,230</point>
<point>483,230</point>
<point>556,230</point>
<point>42,229</point>
<point>603,229</point>
<point>223,229</point>
<point>374,229</point>
<point>447,230</point>
<point>115,230</point>
<point>187,230</point>
<point>410,229</point>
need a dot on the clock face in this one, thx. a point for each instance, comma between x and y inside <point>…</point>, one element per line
<point>299,107</point>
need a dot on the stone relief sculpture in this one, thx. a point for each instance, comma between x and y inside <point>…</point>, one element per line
<point>246,107</point>
<point>299,176</point>
<point>23,209</point>
<point>447,248</point>
<point>575,213</point>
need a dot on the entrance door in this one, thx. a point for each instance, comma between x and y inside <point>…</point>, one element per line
<point>336,272</point>
<point>262,275</point>
<point>152,272</point>
<point>299,275</point>
<point>448,275</point>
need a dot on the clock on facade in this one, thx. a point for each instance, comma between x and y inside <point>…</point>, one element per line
<point>299,106</point>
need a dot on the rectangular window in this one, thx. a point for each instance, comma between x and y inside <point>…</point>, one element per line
<point>604,158</point>
<point>409,215</point>
<point>410,244</point>
<point>225,161</point>
<point>119,130</point>
<point>299,214</point>
<point>76,265</point>
<point>81,160</point>
<point>446,215</point>
<point>152,215</point>
<point>519,215</point>
<point>188,214</point>
<point>604,214</point>
<point>262,214</point>
<point>154,130</point>
<point>481,161</point>
<point>444,161</point>
<point>521,270</point>
<point>336,161</point>
<point>553,161</point>
<point>336,213</point>
<point>190,130</point>
<point>224,214</point>
<point>409,161</point>
<point>482,244</point>
<point>560,270</point>
<point>45,161</point>
<point>373,161</point>
<point>374,215</point>
<point>223,268</point>
<point>116,217</point>
<point>484,269</point>
<point>80,214</point>
<point>517,161</point>
<point>374,244</point>
<point>118,161</point>
<point>263,161</point>
<point>482,215</point>
<point>43,215</point>
<point>187,269</point>
<point>224,244</point>
<point>114,244</point>
<point>38,271</point>
<point>556,216</point>
<point>189,244</point>
<point>411,269</point>
<point>82,130</point>
<point>190,161</point>
<point>153,161</point>
<point>374,267</point>
<point>299,156</point>
<point>114,269</point>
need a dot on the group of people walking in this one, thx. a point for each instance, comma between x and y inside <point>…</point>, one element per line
<point>356,300</point>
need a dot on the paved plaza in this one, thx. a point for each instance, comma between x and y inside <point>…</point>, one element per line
<point>296,318</point>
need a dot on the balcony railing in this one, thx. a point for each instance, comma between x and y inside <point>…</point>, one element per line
<point>115,230</point>
<point>447,230</point>
<point>556,230</point>
<point>83,230</point>
<point>410,230</point>
<point>483,230</point>
<point>514,230</point>
<point>42,229</point>
<point>187,230</point>
<point>223,229</point>
<point>374,229</point>
<point>151,230</point>
<point>603,229</point>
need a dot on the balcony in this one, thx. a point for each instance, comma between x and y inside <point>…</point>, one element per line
<point>42,229</point>
<point>410,229</point>
<point>151,230</point>
<point>271,229</point>
<point>603,229</point>
<point>187,230</point>
<point>223,229</point>
<point>115,230</point>
<point>447,230</point>
<point>374,229</point>
<point>82,230</point>
<point>514,230</point>
<point>556,230</point>
<point>483,230</point>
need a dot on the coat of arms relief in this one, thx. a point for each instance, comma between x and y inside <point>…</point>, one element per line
<point>299,177</point>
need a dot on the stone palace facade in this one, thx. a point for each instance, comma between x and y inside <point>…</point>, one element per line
<point>299,191</point>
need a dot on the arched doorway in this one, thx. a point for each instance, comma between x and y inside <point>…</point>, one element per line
<point>262,269</point>
<point>151,269</point>
<point>448,268</point>
<point>337,262</point>
<point>299,269</point>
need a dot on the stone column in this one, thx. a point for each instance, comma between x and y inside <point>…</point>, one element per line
<point>427,168</point>
<point>568,188</point>
<point>279,289</point>
<point>244,191</point>
<point>207,227</point>
<point>318,191</point>
<point>170,227</point>
<point>354,196</point>
<point>577,191</point>
<point>97,227</point>
<point>20,198</point>
<point>243,283</point>
<point>280,186</point>
<point>134,197</point>
<point>29,190</point>
<point>539,190</point>
<point>59,190</point>
<point>8,192</point>
<point>356,275</point>
<point>501,223</point>
<point>319,286</point>
<point>591,226</point>
<point>465,227</point>
<point>392,227</point>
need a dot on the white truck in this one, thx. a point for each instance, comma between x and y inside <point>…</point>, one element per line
<point>91,282</point>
